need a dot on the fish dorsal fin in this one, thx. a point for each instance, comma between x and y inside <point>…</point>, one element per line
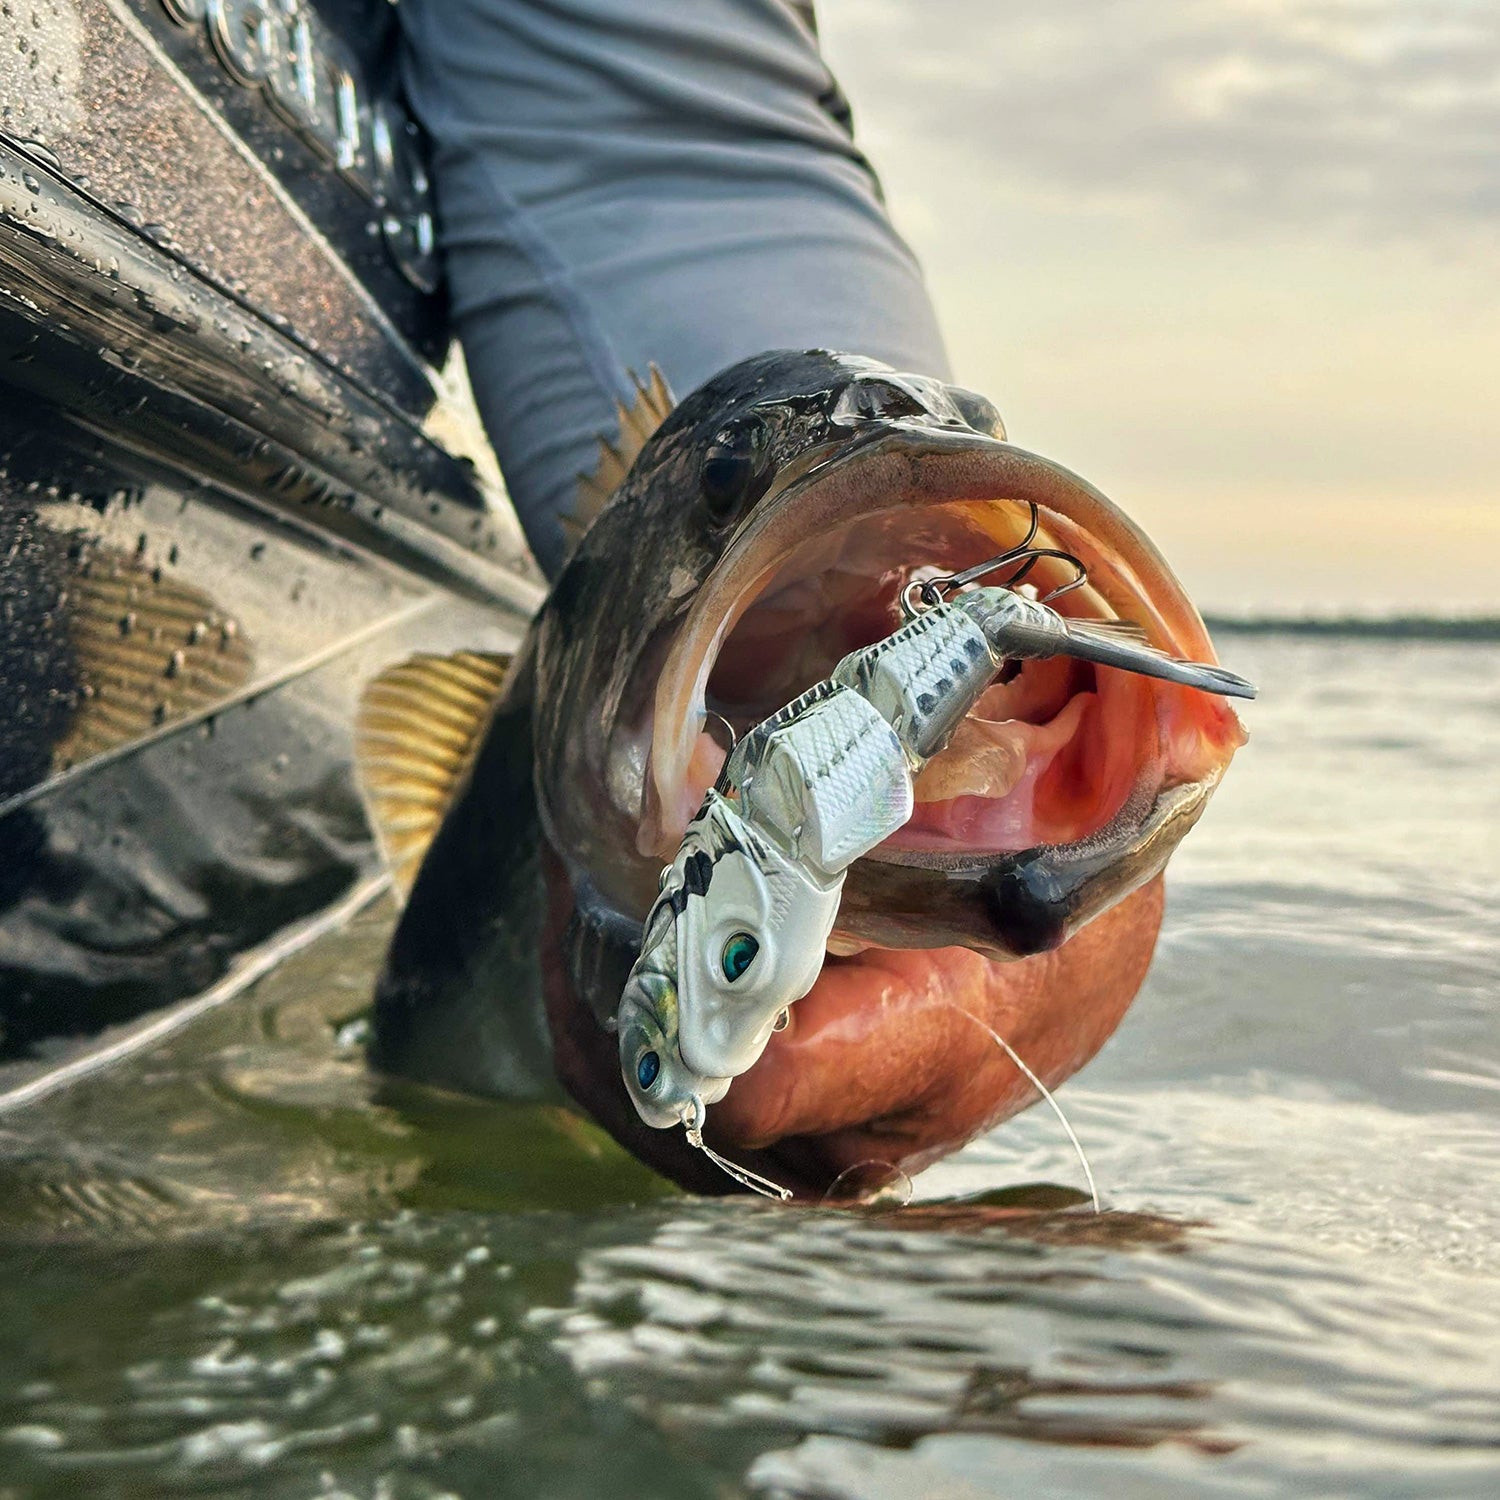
<point>149,650</point>
<point>418,729</point>
<point>651,406</point>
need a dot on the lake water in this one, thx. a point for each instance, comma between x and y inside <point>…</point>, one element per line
<point>240,1266</point>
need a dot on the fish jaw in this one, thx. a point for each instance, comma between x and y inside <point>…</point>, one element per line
<point>891,1058</point>
<point>888,1061</point>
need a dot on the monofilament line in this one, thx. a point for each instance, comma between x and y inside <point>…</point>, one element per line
<point>1046,1094</point>
<point>742,1175</point>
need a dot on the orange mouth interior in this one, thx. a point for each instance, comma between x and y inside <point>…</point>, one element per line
<point>1049,754</point>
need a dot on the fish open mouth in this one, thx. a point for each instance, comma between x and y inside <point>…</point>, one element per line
<point>1058,755</point>
<point>1060,796</point>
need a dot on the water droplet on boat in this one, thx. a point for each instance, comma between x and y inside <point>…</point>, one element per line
<point>42,151</point>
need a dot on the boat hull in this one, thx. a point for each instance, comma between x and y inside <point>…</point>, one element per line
<point>230,493</point>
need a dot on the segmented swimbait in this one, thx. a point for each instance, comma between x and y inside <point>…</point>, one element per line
<point>739,930</point>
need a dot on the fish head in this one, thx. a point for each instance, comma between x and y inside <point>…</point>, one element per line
<point>726,459</point>
<point>767,529</point>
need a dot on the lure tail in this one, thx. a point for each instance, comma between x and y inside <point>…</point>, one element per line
<point>1022,629</point>
<point>1094,641</point>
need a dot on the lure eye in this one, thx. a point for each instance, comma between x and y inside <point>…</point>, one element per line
<point>736,468</point>
<point>647,1069</point>
<point>739,954</point>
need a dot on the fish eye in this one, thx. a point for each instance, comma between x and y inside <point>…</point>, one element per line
<point>736,469</point>
<point>648,1069</point>
<point>739,954</point>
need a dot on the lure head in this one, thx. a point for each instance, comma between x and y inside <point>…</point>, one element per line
<point>736,935</point>
<point>664,1090</point>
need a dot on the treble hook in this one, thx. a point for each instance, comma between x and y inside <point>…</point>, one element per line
<point>709,717</point>
<point>930,591</point>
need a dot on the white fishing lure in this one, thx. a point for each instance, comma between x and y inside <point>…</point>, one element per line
<point>739,930</point>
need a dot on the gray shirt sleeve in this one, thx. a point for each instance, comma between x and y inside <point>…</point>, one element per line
<point>628,181</point>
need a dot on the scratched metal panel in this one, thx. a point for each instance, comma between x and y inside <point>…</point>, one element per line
<point>131,876</point>
<point>101,325</point>
<point>219,516</point>
<point>92,87</point>
<point>169,605</point>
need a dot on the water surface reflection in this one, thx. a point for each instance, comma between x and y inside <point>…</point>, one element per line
<point>243,1266</point>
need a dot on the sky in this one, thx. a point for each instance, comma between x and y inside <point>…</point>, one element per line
<point>1235,261</point>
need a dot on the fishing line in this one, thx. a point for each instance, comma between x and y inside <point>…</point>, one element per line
<point>1044,1091</point>
<point>742,1175</point>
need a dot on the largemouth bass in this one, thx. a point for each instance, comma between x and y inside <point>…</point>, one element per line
<point>752,537</point>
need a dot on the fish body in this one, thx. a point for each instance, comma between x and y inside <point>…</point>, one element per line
<point>766,529</point>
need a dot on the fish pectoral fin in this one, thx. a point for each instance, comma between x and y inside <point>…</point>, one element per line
<point>150,650</point>
<point>415,737</point>
<point>650,406</point>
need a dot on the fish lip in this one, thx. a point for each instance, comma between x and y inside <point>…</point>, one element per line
<point>1030,901</point>
<point>940,465</point>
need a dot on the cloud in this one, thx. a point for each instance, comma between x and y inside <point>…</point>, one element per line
<point>1381,115</point>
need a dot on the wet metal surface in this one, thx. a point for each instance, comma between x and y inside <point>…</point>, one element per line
<point>175,771</point>
<point>84,82</point>
<point>124,342</point>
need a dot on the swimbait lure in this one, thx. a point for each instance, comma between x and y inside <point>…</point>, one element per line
<point>738,932</point>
